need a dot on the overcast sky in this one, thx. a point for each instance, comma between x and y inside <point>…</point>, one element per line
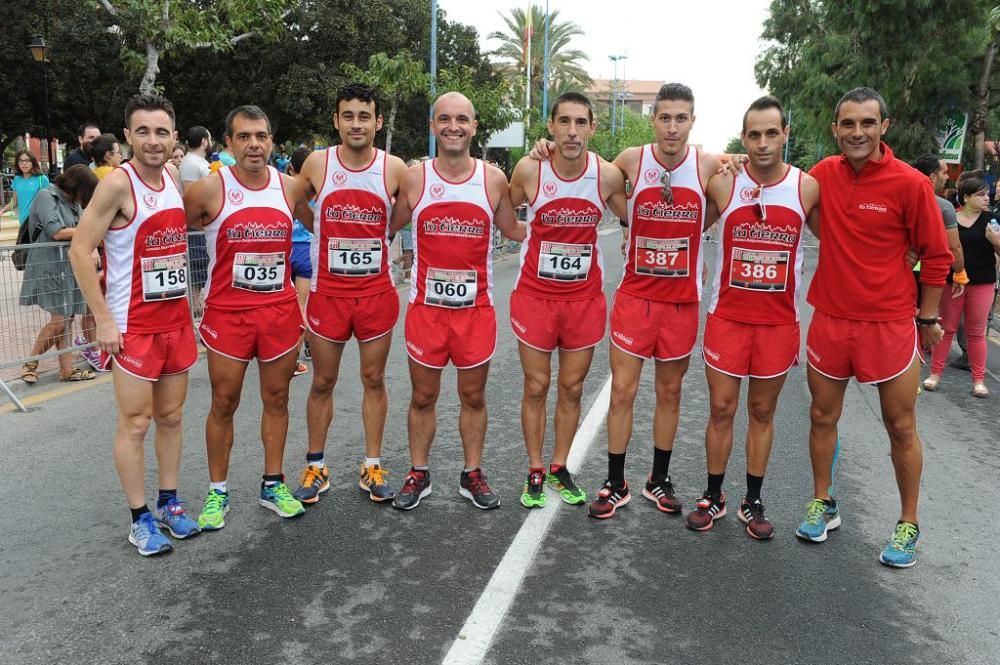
<point>710,45</point>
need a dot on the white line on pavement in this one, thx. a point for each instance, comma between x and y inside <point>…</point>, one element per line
<point>477,634</point>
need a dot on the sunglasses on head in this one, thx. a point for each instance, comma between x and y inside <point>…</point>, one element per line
<point>666,193</point>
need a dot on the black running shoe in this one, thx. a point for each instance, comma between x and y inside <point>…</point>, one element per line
<point>416,486</point>
<point>609,499</point>
<point>473,486</point>
<point>708,509</point>
<point>661,492</point>
<point>752,514</point>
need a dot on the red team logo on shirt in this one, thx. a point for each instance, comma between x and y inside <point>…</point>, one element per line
<point>652,176</point>
<point>236,197</point>
<point>550,189</point>
<point>749,194</point>
<point>339,178</point>
<point>437,191</point>
<point>150,200</point>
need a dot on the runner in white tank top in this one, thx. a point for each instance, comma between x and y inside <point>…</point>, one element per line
<point>452,202</point>
<point>352,292</point>
<point>251,310</point>
<point>558,301</point>
<point>752,329</point>
<point>143,323</point>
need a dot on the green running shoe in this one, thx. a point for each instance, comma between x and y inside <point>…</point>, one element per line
<point>279,499</point>
<point>901,552</point>
<point>563,482</point>
<point>533,494</point>
<point>213,515</point>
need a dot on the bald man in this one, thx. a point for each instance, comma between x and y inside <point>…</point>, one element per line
<point>452,201</point>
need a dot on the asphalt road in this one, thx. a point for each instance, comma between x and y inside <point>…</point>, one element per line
<point>355,582</point>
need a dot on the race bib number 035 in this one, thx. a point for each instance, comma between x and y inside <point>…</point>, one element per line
<point>564,263</point>
<point>757,270</point>
<point>260,273</point>
<point>164,277</point>
<point>450,288</point>
<point>354,257</point>
<point>662,257</point>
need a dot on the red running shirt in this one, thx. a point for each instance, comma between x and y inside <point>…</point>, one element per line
<point>759,266</point>
<point>560,258</point>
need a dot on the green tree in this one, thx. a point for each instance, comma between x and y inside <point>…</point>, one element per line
<point>397,79</point>
<point>152,28</point>
<point>917,53</point>
<point>637,131</point>
<point>566,69</point>
<point>735,146</point>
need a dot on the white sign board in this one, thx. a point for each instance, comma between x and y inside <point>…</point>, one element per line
<point>512,137</point>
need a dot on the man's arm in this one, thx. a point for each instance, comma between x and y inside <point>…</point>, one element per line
<point>410,187</point>
<point>298,201</point>
<point>613,188</point>
<point>313,172</point>
<point>107,203</point>
<point>810,202</point>
<point>524,181</point>
<point>395,168</point>
<point>503,214</point>
<point>203,201</point>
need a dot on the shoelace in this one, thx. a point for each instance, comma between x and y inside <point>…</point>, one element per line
<point>567,479</point>
<point>756,510</point>
<point>905,532</point>
<point>310,475</point>
<point>410,486</point>
<point>815,510</point>
<point>376,475</point>
<point>147,527</point>
<point>282,493</point>
<point>477,483</point>
<point>214,501</point>
<point>175,507</point>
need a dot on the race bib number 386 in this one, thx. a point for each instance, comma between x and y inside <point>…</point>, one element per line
<point>662,257</point>
<point>260,273</point>
<point>758,270</point>
<point>564,263</point>
<point>164,277</point>
<point>450,288</point>
<point>354,257</point>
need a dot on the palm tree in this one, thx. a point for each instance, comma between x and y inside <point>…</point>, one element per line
<point>565,71</point>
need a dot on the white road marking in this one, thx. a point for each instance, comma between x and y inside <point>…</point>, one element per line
<point>476,636</point>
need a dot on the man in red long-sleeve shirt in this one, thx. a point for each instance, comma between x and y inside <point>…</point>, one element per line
<point>873,207</point>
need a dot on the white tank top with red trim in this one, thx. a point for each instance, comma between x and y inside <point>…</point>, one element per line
<point>663,256</point>
<point>249,245</point>
<point>758,269</point>
<point>560,257</point>
<point>350,249</point>
<point>452,249</point>
<point>145,273</point>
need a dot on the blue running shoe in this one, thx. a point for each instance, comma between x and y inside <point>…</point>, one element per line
<point>147,537</point>
<point>901,552</point>
<point>822,515</point>
<point>172,517</point>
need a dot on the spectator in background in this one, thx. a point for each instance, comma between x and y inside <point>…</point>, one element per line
<point>980,246</point>
<point>86,134</point>
<point>106,153</point>
<point>194,167</point>
<point>301,257</point>
<point>177,156</point>
<point>48,278</point>
<point>281,161</point>
<point>406,241</point>
<point>25,185</point>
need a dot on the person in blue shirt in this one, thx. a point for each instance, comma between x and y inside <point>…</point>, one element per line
<point>28,182</point>
<point>301,258</point>
<point>281,162</point>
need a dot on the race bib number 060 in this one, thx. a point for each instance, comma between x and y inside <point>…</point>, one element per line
<point>564,263</point>
<point>354,257</point>
<point>450,288</point>
<point>260,273</point>
<point>662,257</point>
<point>164,277</point>
<point>758,270</point>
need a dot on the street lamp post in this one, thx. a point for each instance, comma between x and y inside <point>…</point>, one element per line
<point>38,49</point>
<point>614,93</point>
<point>431,140</point>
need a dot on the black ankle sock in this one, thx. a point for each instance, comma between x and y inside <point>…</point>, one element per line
<point>661,462</point>
<point>754,483</point>
<point>273,478</point>
<point>314,457</point>
<point>138,512</point>
<point>715,483</point>
<point>165,495</point>
<point>616,469</point>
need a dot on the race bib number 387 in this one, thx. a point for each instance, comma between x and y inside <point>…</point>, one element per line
<point>564,263</point>
<point>758,270</point>
<point>450,288</point>
<point>260,273</point>
<point>662,257</point>
<point>354,257</point>
<point>164,277</point>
